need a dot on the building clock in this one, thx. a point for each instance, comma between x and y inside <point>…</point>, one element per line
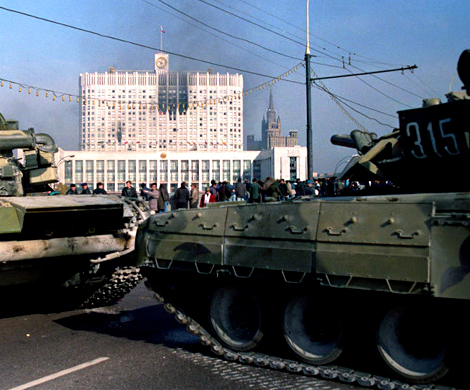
<point>161,62</point>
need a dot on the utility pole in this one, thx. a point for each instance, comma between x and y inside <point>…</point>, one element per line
<point>309,105</point>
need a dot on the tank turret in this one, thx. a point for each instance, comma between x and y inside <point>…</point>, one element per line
<point>35,171</point>
<point>431,145</point>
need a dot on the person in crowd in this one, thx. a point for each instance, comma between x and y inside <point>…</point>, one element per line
<point>153,194</point>
<point>270,190</point>
<point>72,190</point>
<point>85,189</point>
<point>317,188</point>
<point>248,190</point>
<point>330,186</point>
<point>282,190</point>
<point>144,192</point>
<point>99,190</point>
<point>299,187</point>
<point>240,190</point>
<point>308,190</point>
<point>207,197</point>
<point>290,190</point>
<point>164,199</point>
<point>339,187</point>
<point>233,195</point>
<point>182,196</point>
<point>214,190</point>
<point>128,191</point>
<point>224,192</point>
<point>255,193</point>
<point>193,196</point>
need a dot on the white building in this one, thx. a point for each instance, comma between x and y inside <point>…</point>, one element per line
<point>161,111</point>
<point>115,168</point>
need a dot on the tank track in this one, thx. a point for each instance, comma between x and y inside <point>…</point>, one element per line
<point>336,373</point>
<point>119,284</point>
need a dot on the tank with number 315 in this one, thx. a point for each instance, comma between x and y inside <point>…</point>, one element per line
<point>345,281</point>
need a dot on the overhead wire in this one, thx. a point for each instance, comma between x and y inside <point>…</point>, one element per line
<point>189,57</point>
<point>314,35</point>
<point>283,36</point>
<point>142,45</point>
<point>227,34</point>
<point>213,34</point>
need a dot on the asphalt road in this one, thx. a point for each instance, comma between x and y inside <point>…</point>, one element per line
<point>132,345</point>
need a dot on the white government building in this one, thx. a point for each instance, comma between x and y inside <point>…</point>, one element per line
<point>161,110</point>
<point>171,168</point>
<point>167,127</point>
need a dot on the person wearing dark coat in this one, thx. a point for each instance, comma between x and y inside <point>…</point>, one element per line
<point>85,189</point>
<point>99,190</point>
<point>308,189</point>
<point>72,190</point>
<point>164,199</point>
<point>182,197</point>
<point>144,192</point>
<point>240,190</point>
<point>255,193</point>
<point>224,192</point>
<point>128,191</point>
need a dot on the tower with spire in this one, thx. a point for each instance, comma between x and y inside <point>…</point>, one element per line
<point>271,129</point>
<point>271,125</point>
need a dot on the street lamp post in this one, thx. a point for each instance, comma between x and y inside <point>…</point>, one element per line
<point>63,159</point>
<point>309,106</point>
<point>60,161</point>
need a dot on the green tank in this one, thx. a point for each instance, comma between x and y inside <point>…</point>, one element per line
<point>337,286</point>
<point>75,246</point>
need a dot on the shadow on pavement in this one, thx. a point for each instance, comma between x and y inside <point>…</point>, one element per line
<point>151,324</point>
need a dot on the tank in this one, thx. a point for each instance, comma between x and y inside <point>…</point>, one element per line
<point>76,247</point>
<point>366,289</point>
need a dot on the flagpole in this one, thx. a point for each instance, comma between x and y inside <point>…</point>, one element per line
<point>161,39</point>
<point>309,104</point>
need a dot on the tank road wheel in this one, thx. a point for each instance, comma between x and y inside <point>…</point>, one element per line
<point>313,330</point>
<point>413,344</point>
<point>235,317</point>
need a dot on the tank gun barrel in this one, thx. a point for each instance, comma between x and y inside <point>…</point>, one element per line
<point>13,139</point>
<point>360,140</point>
<point>343,140</point>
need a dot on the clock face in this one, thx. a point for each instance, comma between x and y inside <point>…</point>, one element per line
<point>161,62</point>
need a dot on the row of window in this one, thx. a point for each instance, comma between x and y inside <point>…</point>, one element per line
<point>161,171</point>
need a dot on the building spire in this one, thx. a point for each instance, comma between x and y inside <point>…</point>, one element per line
<point>271,104</point>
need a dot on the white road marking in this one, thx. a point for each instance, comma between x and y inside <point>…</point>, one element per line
<point>59,374</point>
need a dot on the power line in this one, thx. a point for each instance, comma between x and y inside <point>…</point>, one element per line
<point>336,99</point>
<point>342,100</point>
<point>211,33</point>
<point>142,45</point>
<point>260,26</point>
<point>227,34</point>
<point>313,35</point>
<point>253,23</point>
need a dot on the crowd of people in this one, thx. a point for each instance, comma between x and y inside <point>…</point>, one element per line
<point>254,191</point>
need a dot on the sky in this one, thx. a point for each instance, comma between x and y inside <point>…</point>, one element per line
<point>262,39</point>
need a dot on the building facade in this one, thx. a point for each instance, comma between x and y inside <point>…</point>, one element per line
<point>113,169</point>
<point>271,129</point>
<point>160,110</point>
<point>271,132</point>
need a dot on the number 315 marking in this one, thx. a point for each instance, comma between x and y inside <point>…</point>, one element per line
<point>446,140</point>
